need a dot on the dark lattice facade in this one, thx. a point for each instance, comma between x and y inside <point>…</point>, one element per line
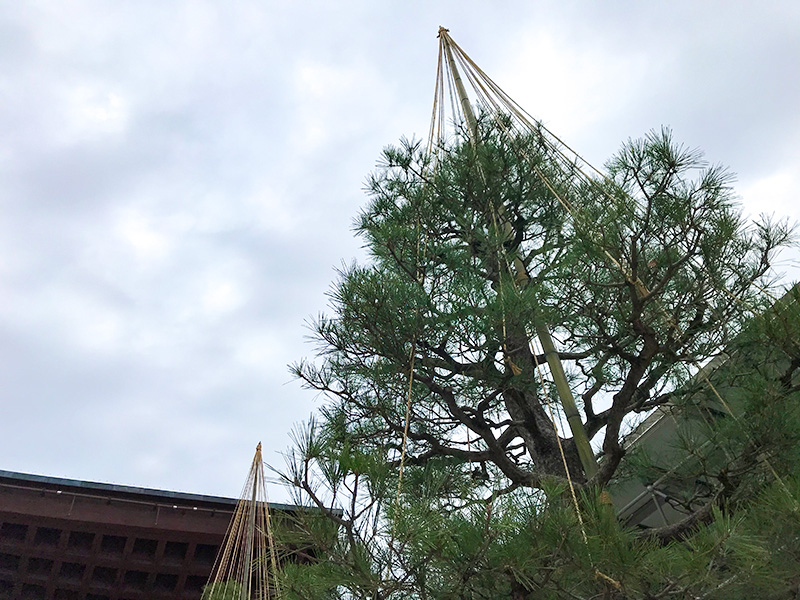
<point>73,540</point>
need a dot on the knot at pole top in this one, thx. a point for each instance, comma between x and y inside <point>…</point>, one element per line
<point>441,31</point>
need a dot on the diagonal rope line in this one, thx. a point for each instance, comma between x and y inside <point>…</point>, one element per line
<point>483,85</point>
<point>421,252</point>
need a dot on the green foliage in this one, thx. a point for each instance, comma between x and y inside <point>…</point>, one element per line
<point>434,470</point>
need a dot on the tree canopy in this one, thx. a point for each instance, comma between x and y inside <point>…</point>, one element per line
<point>440,451</point>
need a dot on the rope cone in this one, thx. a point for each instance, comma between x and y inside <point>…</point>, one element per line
<point>246,567</point>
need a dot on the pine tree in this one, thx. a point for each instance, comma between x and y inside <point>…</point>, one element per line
<point>439,456</point>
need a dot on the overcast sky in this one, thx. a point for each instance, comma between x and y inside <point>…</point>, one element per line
<point>178,181</point>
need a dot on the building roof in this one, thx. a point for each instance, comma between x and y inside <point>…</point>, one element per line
<point>121,492</point>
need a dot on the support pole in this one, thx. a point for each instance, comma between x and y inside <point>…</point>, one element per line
<point>472,122</point>
<point>588,460</point>
<point>251,529</point>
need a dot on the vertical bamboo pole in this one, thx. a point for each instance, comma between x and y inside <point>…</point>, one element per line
<point>472,122</point>
<point>588,460</point>
<point>251,529</point>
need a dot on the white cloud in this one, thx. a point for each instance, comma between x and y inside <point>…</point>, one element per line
<point>271,211</point>
<point>139,232</point>
<point>574,85</point>
<point>776,193</point>
<point>85,321</point>
<point>318,88</point>
<point>259,349</point>
<point>88,113</point>
<point>221,296</point>
<point>333,100</point>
